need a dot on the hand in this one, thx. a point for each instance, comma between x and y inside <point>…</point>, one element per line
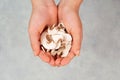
<point>69,15</point>
<point>43,13</point>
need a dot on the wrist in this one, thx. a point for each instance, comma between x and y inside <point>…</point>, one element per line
<point>37,4</point>
<point>71,4</point>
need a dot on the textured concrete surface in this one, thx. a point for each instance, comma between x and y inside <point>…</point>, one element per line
<point>100,53</point>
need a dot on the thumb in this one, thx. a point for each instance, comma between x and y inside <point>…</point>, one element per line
<point>34,34</point>
<point>77,40</point>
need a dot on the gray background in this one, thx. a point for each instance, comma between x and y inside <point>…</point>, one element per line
<point>100,53</point>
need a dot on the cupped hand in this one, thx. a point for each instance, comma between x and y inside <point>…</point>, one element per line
<point>70,17</point>
<point>42,14</point>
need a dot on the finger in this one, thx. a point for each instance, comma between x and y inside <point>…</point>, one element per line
<point>44,57</point>
<point>52,61</point>
<point>58,61</point>
<point>67,59</point>
<point>77,39</point>
<point>35,29</point>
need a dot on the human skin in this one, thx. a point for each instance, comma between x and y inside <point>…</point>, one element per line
<point>68,13</point>
<point>45,12</point>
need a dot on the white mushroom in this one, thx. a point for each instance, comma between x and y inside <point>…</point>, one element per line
<point>56,40</point>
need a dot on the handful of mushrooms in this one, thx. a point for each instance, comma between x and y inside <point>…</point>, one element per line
<point>56,40</point>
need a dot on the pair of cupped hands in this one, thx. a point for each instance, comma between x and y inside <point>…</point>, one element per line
<point>46,12</point>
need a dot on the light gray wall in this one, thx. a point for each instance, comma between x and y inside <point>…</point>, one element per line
<point>100,53</point>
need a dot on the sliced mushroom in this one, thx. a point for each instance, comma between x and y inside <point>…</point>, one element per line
<point>56,40</point>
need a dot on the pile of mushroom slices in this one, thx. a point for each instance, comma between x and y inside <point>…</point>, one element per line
<point>56,40</point>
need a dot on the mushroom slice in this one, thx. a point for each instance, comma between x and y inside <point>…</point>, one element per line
<point>45,43</point>
<point>56,40</point>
